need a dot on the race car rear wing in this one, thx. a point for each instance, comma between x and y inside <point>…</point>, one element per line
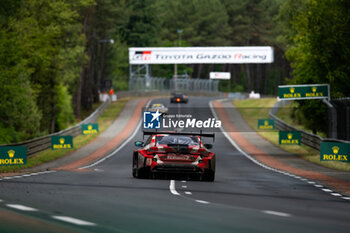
<point>200,134</point>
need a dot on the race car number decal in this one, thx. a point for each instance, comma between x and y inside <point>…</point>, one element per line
<point>174,157</point>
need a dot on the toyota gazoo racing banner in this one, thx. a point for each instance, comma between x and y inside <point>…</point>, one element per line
<point>200,55</point>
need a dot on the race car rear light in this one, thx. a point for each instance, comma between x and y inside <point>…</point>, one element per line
<point>178,99</point>
<point>152,149</point>
<point>202,152</point>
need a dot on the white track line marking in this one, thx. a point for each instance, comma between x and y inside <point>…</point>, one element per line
<point>188,193</point>
<point>21,207</point>
<point>120,146</point>
<point>183,181</point>
<point>327,190</point>
<point>0,200</point>
<point>202,202</point>
<point>336,194</point>
<point>184,186</point>
<point>172,188</point>
<point>318,186</point>
<point>281,214</point>
<point>26,175</point>
<point>311,182</point>
<point>74,221</point>
<point>346,198</point>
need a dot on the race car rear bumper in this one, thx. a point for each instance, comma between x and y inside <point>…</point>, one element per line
<point>175,168</point>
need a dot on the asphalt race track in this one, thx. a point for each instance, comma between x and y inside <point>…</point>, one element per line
<point>244,197</point>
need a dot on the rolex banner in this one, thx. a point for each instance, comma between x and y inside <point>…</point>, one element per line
<point>289,137</point>
<point>13,155</point>
<point>87,129</point>
<point>61,142</point>
<point>334,151</point>
<point>266,124</point>
<point>309,91</point>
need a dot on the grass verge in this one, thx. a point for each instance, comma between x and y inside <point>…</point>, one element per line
<point>104,121</point>
<point>254,109</point>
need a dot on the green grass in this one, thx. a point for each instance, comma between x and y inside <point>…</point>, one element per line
<point>254,109</point>
<point>104,121</point>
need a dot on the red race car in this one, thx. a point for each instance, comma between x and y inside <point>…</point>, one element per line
<point>169,152</point>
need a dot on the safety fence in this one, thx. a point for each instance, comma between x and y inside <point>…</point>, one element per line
<point>342,107</point>
<point>43,143</point>
<point>172,84</point>
<point>309,139</point>
<point>140,93</point>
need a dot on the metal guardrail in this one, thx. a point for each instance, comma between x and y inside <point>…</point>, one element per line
<point>171,84</point>
<point>125,94</point>
<point>309,139</point>
<point>42,143</point>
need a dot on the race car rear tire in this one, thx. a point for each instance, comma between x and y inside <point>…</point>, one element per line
<point>134,166</point>
<point>142,173</point>
<point>208,175</point>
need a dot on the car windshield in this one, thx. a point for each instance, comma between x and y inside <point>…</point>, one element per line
<point>175,139</point>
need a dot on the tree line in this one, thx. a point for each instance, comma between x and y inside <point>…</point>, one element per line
<point>55,54</point>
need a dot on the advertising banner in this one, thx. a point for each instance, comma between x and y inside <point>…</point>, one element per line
<point>266,124</point>
<point>13,155</point>
<point>87,129</point>
<point>220,75</point>
<point>61,142</point>
<point>201,55</point>
<point>296,92</point>
<point>180,121</point>
<point>289,137</point>
<point>334,151</point>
